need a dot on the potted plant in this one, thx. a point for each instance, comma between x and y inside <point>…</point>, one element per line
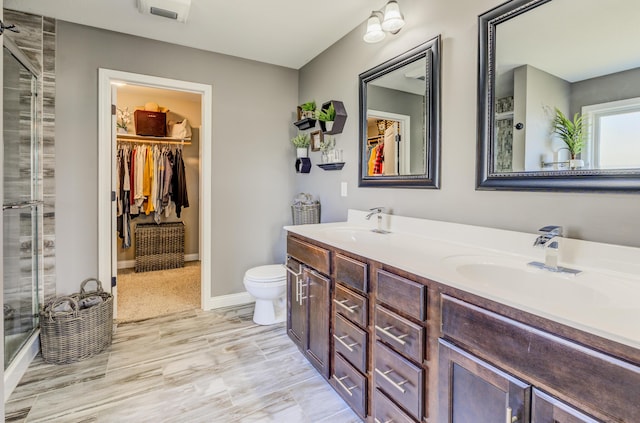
<point>573,133</point>
<point>301,143</point>
<point>327,147</point>
<point>308,109</point>
<point>327,116</point>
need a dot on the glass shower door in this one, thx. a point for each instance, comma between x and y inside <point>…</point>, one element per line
<point>22,203</point>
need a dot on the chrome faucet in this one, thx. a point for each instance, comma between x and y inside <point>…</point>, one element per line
<point>377,211</point>
<point>548,240</point>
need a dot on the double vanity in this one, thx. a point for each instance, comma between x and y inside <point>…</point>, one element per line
<point>442,322</point>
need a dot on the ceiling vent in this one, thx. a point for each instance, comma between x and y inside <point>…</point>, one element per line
<point>172,9</point>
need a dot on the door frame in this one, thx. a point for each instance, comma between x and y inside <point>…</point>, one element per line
<point>405,136</point>
<point>107,262</point>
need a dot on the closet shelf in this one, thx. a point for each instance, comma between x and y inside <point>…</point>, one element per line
<point>153,140</point>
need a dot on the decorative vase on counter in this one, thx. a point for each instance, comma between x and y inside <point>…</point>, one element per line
<point>576,164</point>
<point>122,130</point>
<point>302,152</point>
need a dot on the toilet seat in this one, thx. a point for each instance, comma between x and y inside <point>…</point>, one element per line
<point>266,274</point>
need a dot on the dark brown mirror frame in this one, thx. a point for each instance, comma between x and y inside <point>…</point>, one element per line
<point>431,178</point>
<point>577,180</point>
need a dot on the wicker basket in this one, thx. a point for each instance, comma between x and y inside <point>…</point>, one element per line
<point>306,213</point>
<point>74,335</point>
<point>159,247</point>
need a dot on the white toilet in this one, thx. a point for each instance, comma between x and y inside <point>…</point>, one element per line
<point>268,286</point>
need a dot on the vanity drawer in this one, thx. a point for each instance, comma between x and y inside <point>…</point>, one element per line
<point>400,379</point>
<point>350,305</point>
<point>350,384</point>
<point>309,254</point>
<point>402,294</point>
<point>404,336</point>
<point>350,341</point>
<point>385,410</point>
<point>517,347</point>
<point>351,272</point>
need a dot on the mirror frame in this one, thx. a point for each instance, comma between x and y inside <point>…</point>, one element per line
<point>563,180</point>
<point>431,178</point>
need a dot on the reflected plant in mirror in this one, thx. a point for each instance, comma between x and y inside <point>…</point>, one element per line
<point>585,65</point>
<point>399,120</point>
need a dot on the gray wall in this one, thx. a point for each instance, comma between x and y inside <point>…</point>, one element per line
<point>616,86</point>
<point>252,181</point>
<point>334,75</point>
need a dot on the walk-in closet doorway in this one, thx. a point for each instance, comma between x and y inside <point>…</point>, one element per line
<point>112,255</point>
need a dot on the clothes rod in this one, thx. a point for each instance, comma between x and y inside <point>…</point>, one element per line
<point>148,141</point>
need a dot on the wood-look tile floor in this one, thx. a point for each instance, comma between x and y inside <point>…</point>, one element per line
<point>195,366</point>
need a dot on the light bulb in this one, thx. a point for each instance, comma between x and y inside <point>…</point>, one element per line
<point>374,32</point>
<point>393,19</point>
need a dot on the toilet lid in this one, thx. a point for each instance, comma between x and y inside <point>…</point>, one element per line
<point>268,273</point>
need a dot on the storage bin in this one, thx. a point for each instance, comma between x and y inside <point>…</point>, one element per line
<point>159,247</point>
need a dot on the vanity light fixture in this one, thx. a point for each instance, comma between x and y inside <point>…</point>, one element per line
<point>389,19</point>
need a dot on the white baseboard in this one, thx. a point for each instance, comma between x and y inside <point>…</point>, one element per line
<point>130,264</point>
<point>229,300</point>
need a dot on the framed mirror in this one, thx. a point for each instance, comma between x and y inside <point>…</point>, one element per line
<point>399,120</point>
<point>540,58</point>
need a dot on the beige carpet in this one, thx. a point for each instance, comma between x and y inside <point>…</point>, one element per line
<point>152,294</point>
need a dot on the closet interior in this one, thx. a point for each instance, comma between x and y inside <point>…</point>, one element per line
<point>157,201</point>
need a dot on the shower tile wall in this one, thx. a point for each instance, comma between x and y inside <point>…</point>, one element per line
<point>37,39</point>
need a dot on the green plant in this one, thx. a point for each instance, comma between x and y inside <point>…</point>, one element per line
<point>572,132</point>
<point>309,106</point>
<point>327,144</point>
<point>301,140</point>
<point>328,114</point>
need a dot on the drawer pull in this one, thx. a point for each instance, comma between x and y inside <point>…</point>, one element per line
<point>375,419</point>
<point>341,340</point>
<point>345,387</point>
<point>291,271</point>
<point>397,385</point>
<point>397,338</point>
<point>510,417</point>
<point>346,307</point>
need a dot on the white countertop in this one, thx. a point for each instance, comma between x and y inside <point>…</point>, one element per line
<point>603,300</point>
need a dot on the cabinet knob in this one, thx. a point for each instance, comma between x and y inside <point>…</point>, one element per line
<point>510,417</point>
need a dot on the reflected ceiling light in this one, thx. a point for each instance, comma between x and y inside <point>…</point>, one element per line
<point>390,19</point>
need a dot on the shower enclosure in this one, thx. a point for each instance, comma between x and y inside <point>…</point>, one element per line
<point>22,202</point>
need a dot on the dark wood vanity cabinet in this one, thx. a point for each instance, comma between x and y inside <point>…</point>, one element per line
<point>399,351</point>
<point>532,361</point>
<point>471,390</point>
<point>401,348</point>
<point>350,376</point>
<point>308,301</point>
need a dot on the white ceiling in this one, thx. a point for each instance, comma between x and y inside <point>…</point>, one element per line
<point>282,32</point>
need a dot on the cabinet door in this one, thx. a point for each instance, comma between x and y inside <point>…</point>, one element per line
<point>317,297</point>
<point>473,391</point>
<point>296,307</point>
<point>547,409</point>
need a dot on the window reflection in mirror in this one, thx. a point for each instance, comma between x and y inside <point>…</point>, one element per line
<point>586,61</point>
<point>399,109</point>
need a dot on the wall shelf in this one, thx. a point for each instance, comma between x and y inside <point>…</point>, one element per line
<point>338,122</point>
<point>306,123</point>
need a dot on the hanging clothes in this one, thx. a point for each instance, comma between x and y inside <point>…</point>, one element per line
<point>179,183</point>
<point>150,179</point>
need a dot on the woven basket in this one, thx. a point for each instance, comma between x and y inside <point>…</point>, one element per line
<point>74,335</point>
<point>306,213</point>
<point>159,247</point>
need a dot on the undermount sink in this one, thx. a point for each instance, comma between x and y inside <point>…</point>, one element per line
<point>506,276</point>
